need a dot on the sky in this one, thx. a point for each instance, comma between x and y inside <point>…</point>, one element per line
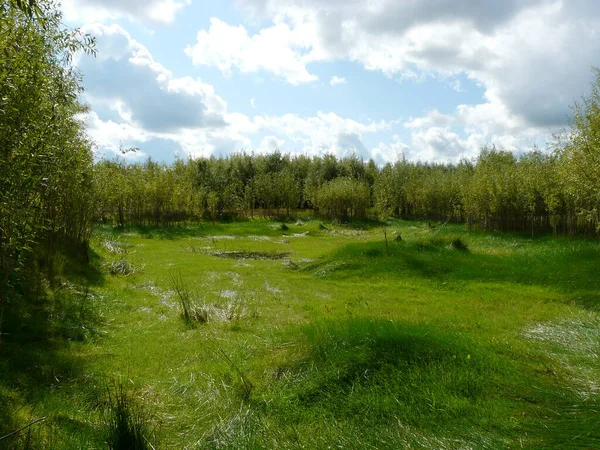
<point>425,80</point>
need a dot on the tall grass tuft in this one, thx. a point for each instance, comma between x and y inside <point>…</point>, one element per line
<point>183,294</point>
<point>126,421</point>
<point>428,378</point>
<point>122,267</point>
<point>190,311</point>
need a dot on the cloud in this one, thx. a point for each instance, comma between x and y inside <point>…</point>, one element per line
<point>391,152</point>
<point>270,144</point>
<point>322,133</point>
<point>337,80</point>
<point>108,134</point>
<point>441,144</point>
<point>277,49</point>
<point>136,101</point>
<point>315,135</point>
<point>433,118</point>
<point>533,58</point>
<point>435,136</point>
<point>432,144</point>
<point>392,15</point>
<point>141,90</point>
<point>154,11</point>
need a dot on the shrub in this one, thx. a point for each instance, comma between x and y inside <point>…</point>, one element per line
<point>343,198</point>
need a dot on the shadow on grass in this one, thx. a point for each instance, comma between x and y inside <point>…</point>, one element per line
<point>366,377</point>
<point>571,267</point>
<point>391,369</point>
<point>205,229</point>
<point>151,232</point>
<point>88,274</point>
<point>36,362</point>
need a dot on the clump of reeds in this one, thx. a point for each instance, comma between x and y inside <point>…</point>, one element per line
<point>191,311</point>
<point>126,421</point>
<point>122,267</point>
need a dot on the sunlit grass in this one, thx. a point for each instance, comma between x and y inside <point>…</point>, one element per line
<point>318,336</point>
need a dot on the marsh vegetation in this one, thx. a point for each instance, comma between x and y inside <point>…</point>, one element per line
<point>490,343</point>
<point>254,301</point>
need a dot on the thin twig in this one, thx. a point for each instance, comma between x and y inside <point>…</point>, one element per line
<point>1,317</point>
<point>149,443</point>
<point>41,419</point>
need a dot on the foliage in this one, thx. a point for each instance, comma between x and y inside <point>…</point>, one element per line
<point>29,7</point>
<point>579,167</point>
<point>343,198</point>
<point>46,204</point>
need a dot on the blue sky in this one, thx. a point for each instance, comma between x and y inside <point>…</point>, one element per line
<point>430,80</point>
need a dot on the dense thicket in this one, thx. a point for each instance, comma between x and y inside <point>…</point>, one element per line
<point>158,194</point>
<point>497,191</point>
<point>46,203</point>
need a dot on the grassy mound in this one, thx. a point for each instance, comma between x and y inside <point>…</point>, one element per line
<point>379,381</point>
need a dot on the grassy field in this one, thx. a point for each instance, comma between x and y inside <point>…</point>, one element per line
<point>254,335</point>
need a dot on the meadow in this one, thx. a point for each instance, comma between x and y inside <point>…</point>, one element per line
<point>260,334</point>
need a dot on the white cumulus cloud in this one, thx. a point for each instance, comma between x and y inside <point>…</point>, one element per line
<point>153,11</point>
<point>270,144</point>
<point>277,49</point>
<point>136,101</point>
<point>533,58</point>
<point>337,80</point>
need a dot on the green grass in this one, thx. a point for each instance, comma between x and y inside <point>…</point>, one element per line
<point>313,337</point>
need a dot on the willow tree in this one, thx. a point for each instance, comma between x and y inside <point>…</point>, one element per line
<point>45,157</point>
<point>580,159</point>
<point>531,170</point>
<point>342,198</point>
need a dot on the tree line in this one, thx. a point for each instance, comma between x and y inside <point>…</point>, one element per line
<point>558,190</point>
<point>240,184</point>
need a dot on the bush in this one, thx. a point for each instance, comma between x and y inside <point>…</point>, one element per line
<point>343,198</point>
<point>46,200</point>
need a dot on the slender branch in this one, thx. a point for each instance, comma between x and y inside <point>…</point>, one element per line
<point>41,419</point>
<point>1,318</point>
